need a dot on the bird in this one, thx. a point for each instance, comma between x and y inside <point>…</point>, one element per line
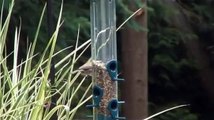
<point>90,66</point>
<point>86,69</point>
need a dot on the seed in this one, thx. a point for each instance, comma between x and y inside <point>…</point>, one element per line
<point>104,81</point>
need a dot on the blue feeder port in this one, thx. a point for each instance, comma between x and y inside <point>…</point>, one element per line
<point>112,70</point>
<point>113,109</point>
<point>97,95</point>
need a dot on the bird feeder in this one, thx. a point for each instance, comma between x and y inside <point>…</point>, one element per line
<point>104,60</point>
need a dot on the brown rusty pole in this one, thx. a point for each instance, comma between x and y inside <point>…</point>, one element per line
<point>134,65</point>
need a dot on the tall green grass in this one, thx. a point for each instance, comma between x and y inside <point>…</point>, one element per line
<point>25,90</point>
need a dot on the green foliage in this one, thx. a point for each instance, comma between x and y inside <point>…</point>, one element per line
<point>25,90</point>
<point>171,73</point>
<point>75,13</point>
